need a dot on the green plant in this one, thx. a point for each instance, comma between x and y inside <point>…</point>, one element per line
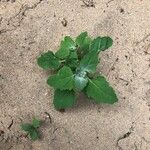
<point>75,63</point>
<point>32,129</point>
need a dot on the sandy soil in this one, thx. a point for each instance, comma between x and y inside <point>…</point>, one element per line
<point>29,27</point>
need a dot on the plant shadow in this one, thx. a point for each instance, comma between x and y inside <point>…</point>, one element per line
<point>83,103</point>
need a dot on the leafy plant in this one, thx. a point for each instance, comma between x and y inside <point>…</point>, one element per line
<point>32,129</point>
<point>75,63</point>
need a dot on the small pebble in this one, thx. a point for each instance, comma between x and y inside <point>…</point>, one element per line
<point>64,22</point>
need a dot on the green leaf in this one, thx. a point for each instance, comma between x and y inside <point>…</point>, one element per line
<point>36,123</point>
<point>65,47</point>
<point>101,44</point>
<point>83,41</point>
<point>34,135</point>
<point>89,63</point>
<point>81,81</point>
<point>63,99</point>
<point>106,42</point>
<point>80,38</point>
<point>73,55</point>
<point>27,127</point>
<point>100,90</point>
<point>72,60</point>
<point>95,45</point>
<point>48,61</point>
<point>63,80</point>
<point>72,63</point>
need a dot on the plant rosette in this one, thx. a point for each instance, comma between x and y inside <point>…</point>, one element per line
<point>32,129</point>
<point>75,65</point>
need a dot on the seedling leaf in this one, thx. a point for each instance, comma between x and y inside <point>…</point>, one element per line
<point>73,55</point>
<point>65,47</point>
<point>80,38</point>
<point>72,60</point>
<point>81,81</point>
<point>83,41</point>
<point>106,42</point>
<point>48,61</point>
<point>100,90</point>
<point>36,123</point>
<point>27,127</point>
<point>89,63</point>
<point>34,135</point>
<point>95,45</point>
<point>63,99</point>
<point>72,63</point>
<point>63,80</point>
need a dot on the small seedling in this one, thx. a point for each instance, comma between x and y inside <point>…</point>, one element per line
<point>74,66</point>
<point>32,129</point>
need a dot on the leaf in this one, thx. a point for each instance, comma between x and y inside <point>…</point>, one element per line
<point>95,45</point>
<point>48,61</point>
<point>72,60</point>
<point>89,63</point>
<point>100,91</point>
<point>83,41</point>
<point>72,63</point>
<point>106,42</point>
<point>81,81</point>
<point>34,134</point>
<point>63,80</point>
<point>63,99</point>
<point>101,44</point>
<point>73,55</point>
<point>65,47</point>
<point>36,123</point>
<point>27,127</point>
<point>80,38</point>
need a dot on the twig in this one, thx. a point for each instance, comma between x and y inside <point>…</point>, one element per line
<point>49,116</point>
<point>12,121</point>
<point>89,3</point>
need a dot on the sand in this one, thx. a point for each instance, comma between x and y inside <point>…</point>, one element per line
<point>30,27</point>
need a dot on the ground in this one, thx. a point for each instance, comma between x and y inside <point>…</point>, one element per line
<point>30,27</point>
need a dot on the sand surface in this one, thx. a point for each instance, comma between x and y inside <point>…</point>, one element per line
<point>30,27</point>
